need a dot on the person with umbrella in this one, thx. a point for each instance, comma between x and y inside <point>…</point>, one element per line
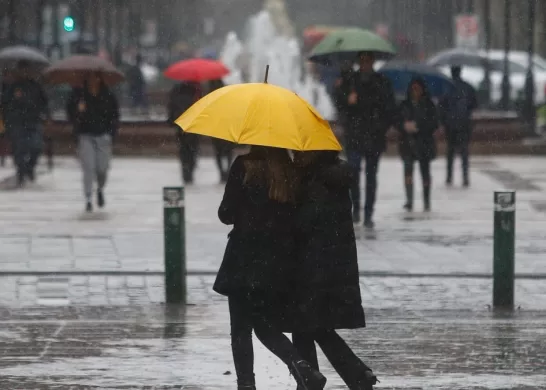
<point>259,200</point>
<point>456,110</point>
<point>418,122</point>
<point>24,110</point>
<point>371,100</point>
<point>94,113</point>
<point>190,73</point>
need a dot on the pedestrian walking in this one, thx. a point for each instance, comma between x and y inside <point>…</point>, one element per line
<point>418,122</point>
<point>223,150</point>
<point>181,97</point>
<point>259,201</point>
<point>456,110</point>
<point>372,103</point>
<point>326,282</point>
<point>24,111</point>
<point>94,113</point>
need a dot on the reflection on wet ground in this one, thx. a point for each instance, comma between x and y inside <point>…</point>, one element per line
<point>162,347</point>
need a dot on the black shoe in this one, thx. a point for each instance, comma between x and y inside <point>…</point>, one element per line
<point>100,199</point>
<point>427,207</point>
<point>31,175</point>
<point>246,387</point>
<point>367,382</point>
<point>89,207</point>
<point>368,223</point>
<point>408,207</point>
<point>356,216</point>
<point>466,183</point>
<point>307,377</point>
<point>449,182</point>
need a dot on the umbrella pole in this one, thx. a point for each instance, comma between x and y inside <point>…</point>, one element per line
<point>266,73</point>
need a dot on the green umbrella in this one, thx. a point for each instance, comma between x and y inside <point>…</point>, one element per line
<point>345,44</point>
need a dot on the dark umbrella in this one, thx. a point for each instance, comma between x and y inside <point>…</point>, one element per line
<point>400,73</point>
<point>11,55</point>
<point>74,70</point>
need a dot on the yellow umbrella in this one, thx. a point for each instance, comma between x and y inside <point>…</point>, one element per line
<point>259,114</point>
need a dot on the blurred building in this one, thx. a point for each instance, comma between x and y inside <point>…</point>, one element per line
<point>112,27</point>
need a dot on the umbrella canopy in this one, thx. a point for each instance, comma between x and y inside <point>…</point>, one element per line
<point>346,43</point>
<point>401,73</point>
<point>196,70</point>
<point>75,69</point>
<point>458,57</point>
<point>259,114</point>
<point>9,56</point>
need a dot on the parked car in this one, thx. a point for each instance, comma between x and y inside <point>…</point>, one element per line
<point>473,70</point>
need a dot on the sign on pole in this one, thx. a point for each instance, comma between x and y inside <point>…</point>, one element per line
<point>467,31</point>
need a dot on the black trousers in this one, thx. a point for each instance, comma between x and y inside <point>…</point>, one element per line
<point>424,167</point>
<point>354,158</point>
<point>349,367</point>
<point>244,317</point>
<point>461,148</point>
<point>188,148</point>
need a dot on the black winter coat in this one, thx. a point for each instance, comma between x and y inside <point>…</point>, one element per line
<point>327,289</point>
<point>420,145</point>
<point>372,115</point>
<point>260,251</point>
<point>93,115</point>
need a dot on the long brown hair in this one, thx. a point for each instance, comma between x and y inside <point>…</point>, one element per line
<point>274,167</point>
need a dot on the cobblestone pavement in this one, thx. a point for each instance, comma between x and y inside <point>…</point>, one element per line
<point>43,228</point>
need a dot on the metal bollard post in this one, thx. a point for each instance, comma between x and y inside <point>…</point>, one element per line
<point>175,244</point>
<point>504,249</point>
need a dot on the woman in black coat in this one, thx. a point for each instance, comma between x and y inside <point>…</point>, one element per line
<point>417,124</point>
<point>259,201</point>
<point>328,287</point>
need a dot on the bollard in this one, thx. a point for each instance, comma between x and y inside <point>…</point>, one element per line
<point>175,244</point>
<point>504,249</point>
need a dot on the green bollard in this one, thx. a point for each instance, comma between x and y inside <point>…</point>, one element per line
<point>175,244</point>
<point>504,249</point>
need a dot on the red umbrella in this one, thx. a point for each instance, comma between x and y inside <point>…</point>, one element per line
<point>196,70</point>
<point>75,69</point>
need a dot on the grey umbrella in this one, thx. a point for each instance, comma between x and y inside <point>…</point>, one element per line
<point>12,54</point>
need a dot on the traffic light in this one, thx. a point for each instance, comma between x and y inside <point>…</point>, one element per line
<point>68,23</point>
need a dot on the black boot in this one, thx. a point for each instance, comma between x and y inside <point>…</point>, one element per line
<point>366,382</point>
<point>409,197</point>
<point>246,387</point>
<point>426,196</point>
<point>307,377</point>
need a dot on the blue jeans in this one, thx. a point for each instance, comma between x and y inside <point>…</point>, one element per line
<point>354,158</point>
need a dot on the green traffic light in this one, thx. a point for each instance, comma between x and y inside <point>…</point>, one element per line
<point>68,23</point>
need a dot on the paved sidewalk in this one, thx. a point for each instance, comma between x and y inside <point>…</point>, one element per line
<point>165,348</point>
<point>43,227</point>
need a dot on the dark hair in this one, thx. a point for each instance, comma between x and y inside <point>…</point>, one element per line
<point>422,84</point>
<point>274,167</point>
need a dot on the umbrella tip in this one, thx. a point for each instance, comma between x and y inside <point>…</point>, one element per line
<point>266,73</point>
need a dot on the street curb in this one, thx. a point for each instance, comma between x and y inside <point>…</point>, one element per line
<point>372,274</point>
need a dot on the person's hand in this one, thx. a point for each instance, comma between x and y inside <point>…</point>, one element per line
<point>338,82</point>
<point>353,97</point>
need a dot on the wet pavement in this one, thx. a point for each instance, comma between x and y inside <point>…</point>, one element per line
<point>81,296</point>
